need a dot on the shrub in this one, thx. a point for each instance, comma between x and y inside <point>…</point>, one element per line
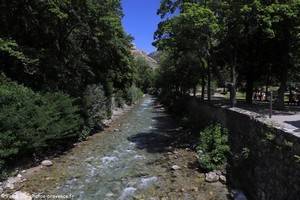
<point>30,122</point>
<point>97,106</point>
<point>119,99</point>
<point>85,132</point>
<point>213,147</point>
<point>134,94</point>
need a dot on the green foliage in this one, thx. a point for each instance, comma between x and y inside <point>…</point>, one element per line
<point>30,122</point>
<point>188,40</point>
<point>96,106</point>
<point>270,136</point>
<point>213,147</point>
<point>120,99</point>
<point>49,44</point>
<point>133,94</point>
<point>85,132</point>
<point>10,48</point>
<point>144,76</point>
<point>54,48</point>
<point>240,43</point>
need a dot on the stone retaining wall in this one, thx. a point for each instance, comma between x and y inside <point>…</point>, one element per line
<point>266,160</point>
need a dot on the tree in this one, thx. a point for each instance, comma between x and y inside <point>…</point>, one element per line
<point>189,38</point>
<point>78,42</point>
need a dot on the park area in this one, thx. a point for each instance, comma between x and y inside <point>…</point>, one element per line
<point>286,118</point>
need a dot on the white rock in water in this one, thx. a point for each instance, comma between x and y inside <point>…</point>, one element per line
<point>146,182</point>
<point>127,193</point>
<point>176,167</point>
<point>19,176</point>
<point>47,163</point>
<point>239,195</point>
<point>21,196</point>
<point>109,195</point>
<point>211,177</point>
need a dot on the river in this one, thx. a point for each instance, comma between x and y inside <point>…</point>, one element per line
<point>132,160</point>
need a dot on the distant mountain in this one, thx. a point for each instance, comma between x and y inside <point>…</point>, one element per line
<point>155,55</point>
<point>139,53</point>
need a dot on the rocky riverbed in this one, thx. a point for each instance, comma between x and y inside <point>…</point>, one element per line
<point>143,155</point>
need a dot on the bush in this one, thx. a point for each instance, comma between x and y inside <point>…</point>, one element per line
<point>85,132</point>
<point>119,99</point>
<point>213,147</point>
<point>97,106</point>
<point>31,122</point>
<point>134,94</point>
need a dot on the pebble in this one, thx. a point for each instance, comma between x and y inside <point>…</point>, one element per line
<point>9,186</point>
<point>4,196</point>
<point>19,176</point>
<point>24,171</point>
<point>23,180</point>
<point>222,179</point>
<point>211,177</point>
<point>116,130</point>
<point>176,167</point>
<point>47,163</point>
<point>109,195</point>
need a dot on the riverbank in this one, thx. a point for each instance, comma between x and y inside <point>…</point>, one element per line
<point>25,174</point>
<point>143,155</point>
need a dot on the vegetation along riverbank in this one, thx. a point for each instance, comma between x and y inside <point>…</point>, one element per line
<point>214,109</point>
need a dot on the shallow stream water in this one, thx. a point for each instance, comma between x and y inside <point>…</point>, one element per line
<point>132,160</point>
<point>118,167</point>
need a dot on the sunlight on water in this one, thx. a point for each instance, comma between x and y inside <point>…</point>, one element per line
<point>127,192</point>
<point>146,182</point>
<point>119,169</point>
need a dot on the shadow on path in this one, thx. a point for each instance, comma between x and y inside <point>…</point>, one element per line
<point>294,123</point>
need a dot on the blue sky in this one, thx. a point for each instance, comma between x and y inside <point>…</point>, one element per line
<point>141,21</point>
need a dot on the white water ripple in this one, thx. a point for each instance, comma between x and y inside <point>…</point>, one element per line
<point>147,182</point>
<point>127,192</point>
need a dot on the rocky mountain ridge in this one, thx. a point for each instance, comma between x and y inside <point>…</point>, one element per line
<point>139,53</point>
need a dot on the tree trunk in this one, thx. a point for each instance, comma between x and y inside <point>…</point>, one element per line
<point>249,90</point>
<point>203,88</point>
<point>233,87</point>
<point>282,88</point>
<point>208,83</point>
<point>195,90</point>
